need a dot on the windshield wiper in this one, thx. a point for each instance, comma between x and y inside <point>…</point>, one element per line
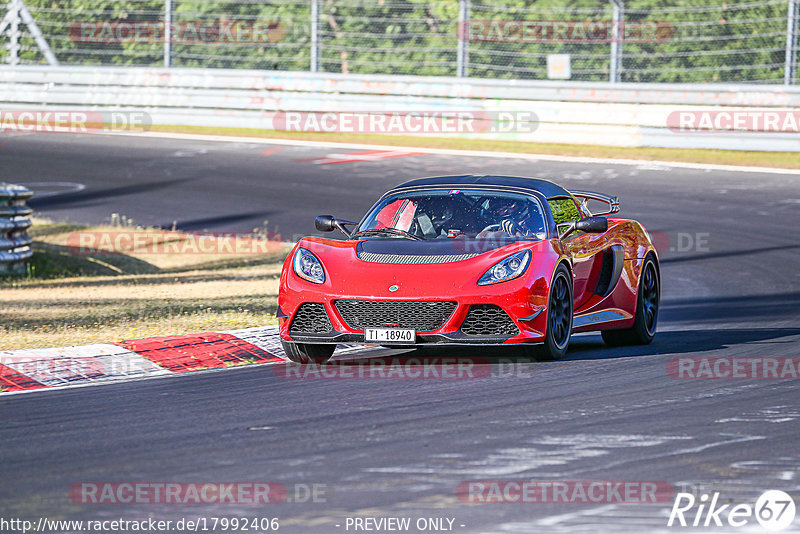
<point>387,231</point>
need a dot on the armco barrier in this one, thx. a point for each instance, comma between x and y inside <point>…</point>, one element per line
<point>565,112</point>
<point>15,242</point>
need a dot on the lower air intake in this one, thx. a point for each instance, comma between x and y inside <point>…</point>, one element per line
<point>488,320</point>
<point>311,318</point>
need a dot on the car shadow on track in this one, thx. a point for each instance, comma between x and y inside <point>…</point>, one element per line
<point>91,196</point>
<point>762,308</point>
<point>687,342</point>
<point>592,347</point>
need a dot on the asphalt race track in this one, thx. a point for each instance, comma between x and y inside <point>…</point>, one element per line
<point>400,448</point>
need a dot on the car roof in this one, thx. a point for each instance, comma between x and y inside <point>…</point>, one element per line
<point>547,188</point>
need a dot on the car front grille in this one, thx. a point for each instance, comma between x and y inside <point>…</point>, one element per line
<point>422,316</point>
<point>311,318</point>
<point>488,320</point>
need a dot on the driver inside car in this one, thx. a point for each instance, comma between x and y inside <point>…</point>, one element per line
<point>434,216</point>
<point>514,217</point>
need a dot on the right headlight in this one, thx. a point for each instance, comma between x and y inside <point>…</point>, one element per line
<point>507,269</point>
<point>308,266</point>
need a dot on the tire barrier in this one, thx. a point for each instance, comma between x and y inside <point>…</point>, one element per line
<point>15,243</point>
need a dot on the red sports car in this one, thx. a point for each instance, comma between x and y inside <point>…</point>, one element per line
<point>453,260</point>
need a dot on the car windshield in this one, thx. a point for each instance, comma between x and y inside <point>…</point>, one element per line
<point>454,214</point>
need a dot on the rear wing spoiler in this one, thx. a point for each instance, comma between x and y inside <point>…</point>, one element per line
<point>585,196</point>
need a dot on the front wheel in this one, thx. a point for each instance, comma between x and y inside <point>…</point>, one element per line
<point>644,324</point>
<point>559,318</point>
<point>306,353</point>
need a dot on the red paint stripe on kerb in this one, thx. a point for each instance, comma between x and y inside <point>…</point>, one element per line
<point>209,350</point>
<point>271,151</point>
<point>369,155</point>
<point>11,380</point>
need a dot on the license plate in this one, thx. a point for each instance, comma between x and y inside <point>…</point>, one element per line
<point>389,335</point>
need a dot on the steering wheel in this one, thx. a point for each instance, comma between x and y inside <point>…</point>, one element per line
<point>491,228</point>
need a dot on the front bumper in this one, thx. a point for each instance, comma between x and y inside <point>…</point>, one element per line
<point>456,338</point>
<point>522,309</point>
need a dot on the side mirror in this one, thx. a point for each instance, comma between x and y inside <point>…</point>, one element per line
<point>325,223</point>
<point>592,225</point>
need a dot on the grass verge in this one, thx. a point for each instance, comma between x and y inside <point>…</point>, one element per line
<point>784,160</point>
<point>71,297</point>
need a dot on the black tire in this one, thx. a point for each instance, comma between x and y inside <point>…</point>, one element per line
<point>306,353</point>
<point>645,321</point>
<point>560,308</point>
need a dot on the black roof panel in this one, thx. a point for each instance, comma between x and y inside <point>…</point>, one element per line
<point>545,187</point>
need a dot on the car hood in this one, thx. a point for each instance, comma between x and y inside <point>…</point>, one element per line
<point>408,251</point>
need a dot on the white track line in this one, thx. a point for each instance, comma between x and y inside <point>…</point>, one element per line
<point>452,152</point>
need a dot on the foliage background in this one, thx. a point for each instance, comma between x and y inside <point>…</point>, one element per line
<point>713,40</point>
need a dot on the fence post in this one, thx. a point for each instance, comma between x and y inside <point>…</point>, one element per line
<point>13,34</point>
<point>315,41</point>
<point>167,34</point>
<point>791,39</point>
<point>15,243</point>
<point>617,18</point>
<point>16,14</point>
<point>462,54</point>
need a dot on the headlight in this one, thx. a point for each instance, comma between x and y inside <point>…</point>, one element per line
<point>307,266</point>
<point>508,269</point>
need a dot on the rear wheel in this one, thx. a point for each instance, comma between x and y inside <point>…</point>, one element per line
<point>647,301</point>
<point>306,353</point>
<point>559,318</point>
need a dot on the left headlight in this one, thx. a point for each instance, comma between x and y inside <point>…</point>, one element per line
<point>308,266</point>
<point>507,269</point>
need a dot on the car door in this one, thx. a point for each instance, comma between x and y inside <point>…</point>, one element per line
<point>585,249</point>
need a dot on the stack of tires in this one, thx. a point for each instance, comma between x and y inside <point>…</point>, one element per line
<point>15,243</point>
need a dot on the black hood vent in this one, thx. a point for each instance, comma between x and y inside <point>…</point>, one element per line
<point>405,251</point>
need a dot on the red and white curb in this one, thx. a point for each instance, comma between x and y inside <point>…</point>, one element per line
<point>29,369</point>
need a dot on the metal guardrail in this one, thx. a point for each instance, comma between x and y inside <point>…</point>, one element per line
<point>15,243</point>
<point>31,83</point>
<point>565,112</point>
